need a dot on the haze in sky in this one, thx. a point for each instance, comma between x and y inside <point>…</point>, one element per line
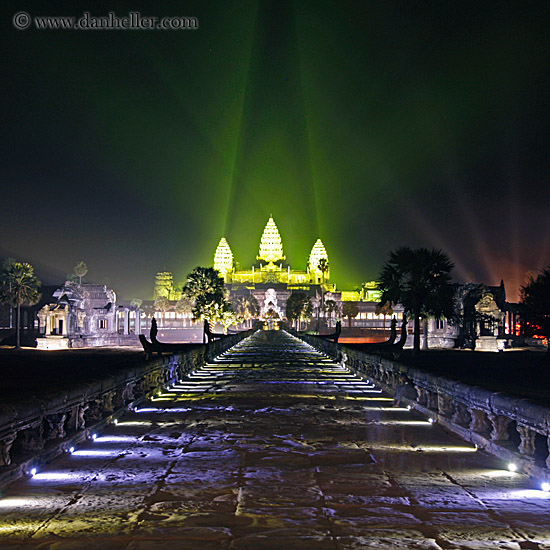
<point>368,124</point>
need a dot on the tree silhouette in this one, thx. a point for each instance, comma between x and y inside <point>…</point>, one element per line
<point>298,307</point>
<point>420,280</point>
<point>246,307</point>
<point>162,304</point>
<point>184,305</point>
<point>80,270</point>
<point>205,288</point>
<point>350,310</point>
<point>331,307</point>
<point>384,308</point>
<point>534,308</point>
<point>19,287</point>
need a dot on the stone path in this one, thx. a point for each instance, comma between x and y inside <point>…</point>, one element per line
<point>274,446</point>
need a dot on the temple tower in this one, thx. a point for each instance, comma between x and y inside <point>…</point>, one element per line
<point>271,245</point>
<point>317,253</point>
<point>223,259</point>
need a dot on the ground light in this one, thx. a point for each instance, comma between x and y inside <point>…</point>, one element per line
<point>33,472</point>
<point>545,486</point>
<point>71,450</point>
<point>431,420</point>
<point>512,467</point>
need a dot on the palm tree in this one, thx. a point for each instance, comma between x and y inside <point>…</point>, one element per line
<point>323,267</point>
<point>19,288</point>
<point>419,280</point>
<point>534,307</point>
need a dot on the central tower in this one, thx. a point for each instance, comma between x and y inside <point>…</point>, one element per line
<point>271,245</point>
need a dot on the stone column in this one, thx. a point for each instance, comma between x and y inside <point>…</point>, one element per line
<point>422,397</point>
<point>5,446</point>
<point>432,400</point>
<point>479,422</point>
<point>66,321</point>
<point>500,427</point>
<point>527,444</point>
<point>445,404</point>
<point>137,322</point>
<point>461,415</point>
<point>48,322</point>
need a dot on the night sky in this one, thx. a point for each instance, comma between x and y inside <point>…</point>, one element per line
<point>368,124</point>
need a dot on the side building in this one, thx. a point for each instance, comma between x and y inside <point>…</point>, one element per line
<point>84,315</point>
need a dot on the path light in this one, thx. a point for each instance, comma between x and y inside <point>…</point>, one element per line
<point>33,472</point>
<point>409,407</point>
<point>512,467</point>
<point>115,421</point>
<point>545,486</point>
<point>71,450</point>
<point>94,437</point>
<point>431,420</point>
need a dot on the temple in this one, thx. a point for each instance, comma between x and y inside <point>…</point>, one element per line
<point>271,267</point>
<point>272,279</point>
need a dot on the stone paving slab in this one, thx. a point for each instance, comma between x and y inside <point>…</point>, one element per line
<point>281,455</point>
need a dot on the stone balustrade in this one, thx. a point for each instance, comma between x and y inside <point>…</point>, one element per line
<point>514,429</point>
<point>38,429</point>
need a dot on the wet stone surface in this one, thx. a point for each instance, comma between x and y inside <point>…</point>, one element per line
<point>274,446</point>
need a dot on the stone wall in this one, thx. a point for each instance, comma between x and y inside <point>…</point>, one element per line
<point>514,429</point>
<point>38,429</point>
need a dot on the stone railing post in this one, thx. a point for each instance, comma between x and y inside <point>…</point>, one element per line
<point>432,400</point>
<point>479,422</point>
<point>527,443</point>
<point>422,396</point>
<point>500,427</point>
<point>32,439</point>
<point>445,404</point>
<point>461,414</point>
<point>56,426</point>
<point>5,446</point>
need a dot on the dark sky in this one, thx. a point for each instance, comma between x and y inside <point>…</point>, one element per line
<point>368,124</point>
